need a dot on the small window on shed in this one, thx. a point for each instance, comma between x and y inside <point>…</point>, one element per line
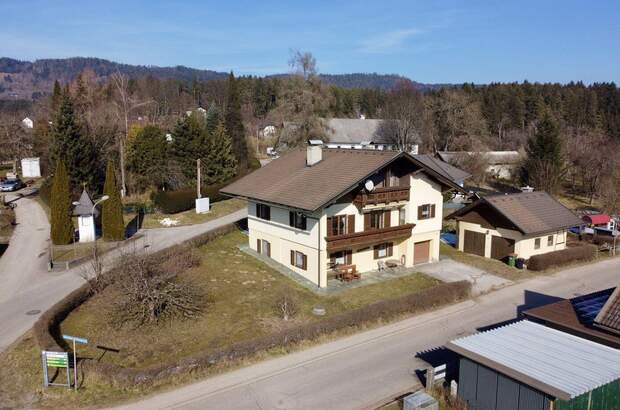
<point>550,240</point>
<point>537,243</point>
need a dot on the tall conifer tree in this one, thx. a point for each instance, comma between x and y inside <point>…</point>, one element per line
<point>234,124</point>
<point>221,164</point>
<point>112,209</point>
<point>61,229</point>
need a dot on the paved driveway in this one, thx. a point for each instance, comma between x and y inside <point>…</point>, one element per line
<point>26,287</point>
<point>448,270</point>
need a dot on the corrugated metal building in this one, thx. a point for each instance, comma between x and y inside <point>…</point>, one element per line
<point>528,366</point>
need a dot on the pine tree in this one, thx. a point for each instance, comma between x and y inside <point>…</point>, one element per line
<point>213,119</point>
<point>56,95</point>
<point>234,124</point>
<point>221,164</point>
<point>69,145</point>
<point>60,204</point>
<point>544,165</point>
<point>112,209</point>
<point>190,142</point>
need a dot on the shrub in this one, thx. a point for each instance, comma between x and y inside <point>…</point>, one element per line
<point>112,209</point>
<point>172,202</point>
<point>61,230</point>
<point>558,258</point>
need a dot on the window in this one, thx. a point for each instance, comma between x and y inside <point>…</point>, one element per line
<point>263,211</point>
<point>341,258</point>
<point>297,220</point>
<point>550,240</point>
<point>426,211</point>
<point>537,243</point>
<point>402,216</point>
<point>376,220</point>
<point>263,247</point>
<point>560,238</point>
<point>299,260</point>
<point>383,250</point>
<point>340,225</point>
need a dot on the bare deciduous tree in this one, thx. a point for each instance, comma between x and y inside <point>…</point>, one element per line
<point>303,63</point>
<point>124,103</point>
<point>285,307</point>
<point>404,117</point>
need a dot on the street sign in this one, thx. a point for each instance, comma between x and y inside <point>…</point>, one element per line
<point>56,360</point>
<point>75,339</point>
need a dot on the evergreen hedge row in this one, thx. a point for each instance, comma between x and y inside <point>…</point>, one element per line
<point>563,257</point>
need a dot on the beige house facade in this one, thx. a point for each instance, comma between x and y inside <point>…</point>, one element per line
<point>388,213</point>
<point>523,225</point>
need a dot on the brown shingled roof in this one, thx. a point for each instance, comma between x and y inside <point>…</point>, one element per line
<point>531,212</point>
<point>288,181</point>
<point>609,316</point>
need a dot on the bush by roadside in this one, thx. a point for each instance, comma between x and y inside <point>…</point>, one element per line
<point>563,257</point>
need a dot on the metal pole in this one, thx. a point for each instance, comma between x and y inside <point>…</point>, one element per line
<point>198,174</point>
<point>44,361</point>
<point>74,366</point>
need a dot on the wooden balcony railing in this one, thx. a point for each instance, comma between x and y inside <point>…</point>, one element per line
<point>382,196</point>
<point>370,237</point>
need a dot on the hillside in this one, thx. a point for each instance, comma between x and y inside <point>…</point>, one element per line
<point>29,80</point>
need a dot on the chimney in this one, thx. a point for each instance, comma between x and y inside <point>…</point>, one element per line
<point>314,152</point>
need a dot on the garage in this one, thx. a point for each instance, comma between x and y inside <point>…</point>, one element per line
<point>474,243</point>
<point>421,252</point>
<point>501,247</point>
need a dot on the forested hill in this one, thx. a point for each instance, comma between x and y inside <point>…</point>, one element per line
<point>26,80</point>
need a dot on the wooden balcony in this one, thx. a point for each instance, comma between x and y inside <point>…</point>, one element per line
<point>382,196</point>
<point>367,238</point>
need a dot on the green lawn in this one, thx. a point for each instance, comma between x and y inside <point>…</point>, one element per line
<point>190,217</point>
<point>241,293</point>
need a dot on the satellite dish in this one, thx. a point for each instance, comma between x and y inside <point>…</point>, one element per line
<point>369,185</point>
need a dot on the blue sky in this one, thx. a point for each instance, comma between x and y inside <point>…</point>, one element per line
<point>428,41</point>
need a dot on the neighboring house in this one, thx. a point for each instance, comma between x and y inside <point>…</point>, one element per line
<point>501,164</point>
<point>526,365</point>
<point>355,133</point>
<point>603,221</point>
<point>595,316</point>
<point>315,209</point>
<point>27,123</point>
<point>525,224</point>
<point>198,110</point>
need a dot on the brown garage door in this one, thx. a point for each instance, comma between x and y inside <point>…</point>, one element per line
<point>421,252</point>
<point>501,247</point>
<point>474,242</point>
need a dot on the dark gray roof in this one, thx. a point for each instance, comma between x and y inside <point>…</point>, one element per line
<point>353,130</point>
<point>85,206</point>
<point>609,316</point>
<point>457,174</point>
<point>531,212</point>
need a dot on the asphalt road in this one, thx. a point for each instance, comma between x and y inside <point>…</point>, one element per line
<point>356,372</point>
<point>26,287</point>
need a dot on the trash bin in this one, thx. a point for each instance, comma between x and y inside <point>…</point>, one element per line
<point>520,264</point>
<point>511,260</point>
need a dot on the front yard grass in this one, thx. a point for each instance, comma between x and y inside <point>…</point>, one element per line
<point>242,292</point>
<point>190,217</point>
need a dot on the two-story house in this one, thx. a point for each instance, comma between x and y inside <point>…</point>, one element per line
<point>312,210</point>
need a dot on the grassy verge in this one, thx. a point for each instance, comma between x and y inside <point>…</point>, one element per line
<point>242,292</point>
<point>190,217</point>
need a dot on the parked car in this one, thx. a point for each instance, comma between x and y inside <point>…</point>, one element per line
<point>9,185</point>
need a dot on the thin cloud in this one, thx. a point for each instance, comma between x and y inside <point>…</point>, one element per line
<point>390,41</point>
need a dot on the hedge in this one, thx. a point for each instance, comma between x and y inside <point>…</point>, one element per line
<point>386,309</point>
<point>172,202</point>
<point>558,258</point>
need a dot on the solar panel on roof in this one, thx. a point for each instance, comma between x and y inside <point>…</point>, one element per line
<point>587,306</point>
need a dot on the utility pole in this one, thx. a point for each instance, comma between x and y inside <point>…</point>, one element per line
<point>198,178</point>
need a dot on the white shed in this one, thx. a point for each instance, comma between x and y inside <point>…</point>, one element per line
<point>31,168</point>
<point>86,214</point>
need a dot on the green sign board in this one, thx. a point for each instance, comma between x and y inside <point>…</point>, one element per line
<point>57,359</point>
